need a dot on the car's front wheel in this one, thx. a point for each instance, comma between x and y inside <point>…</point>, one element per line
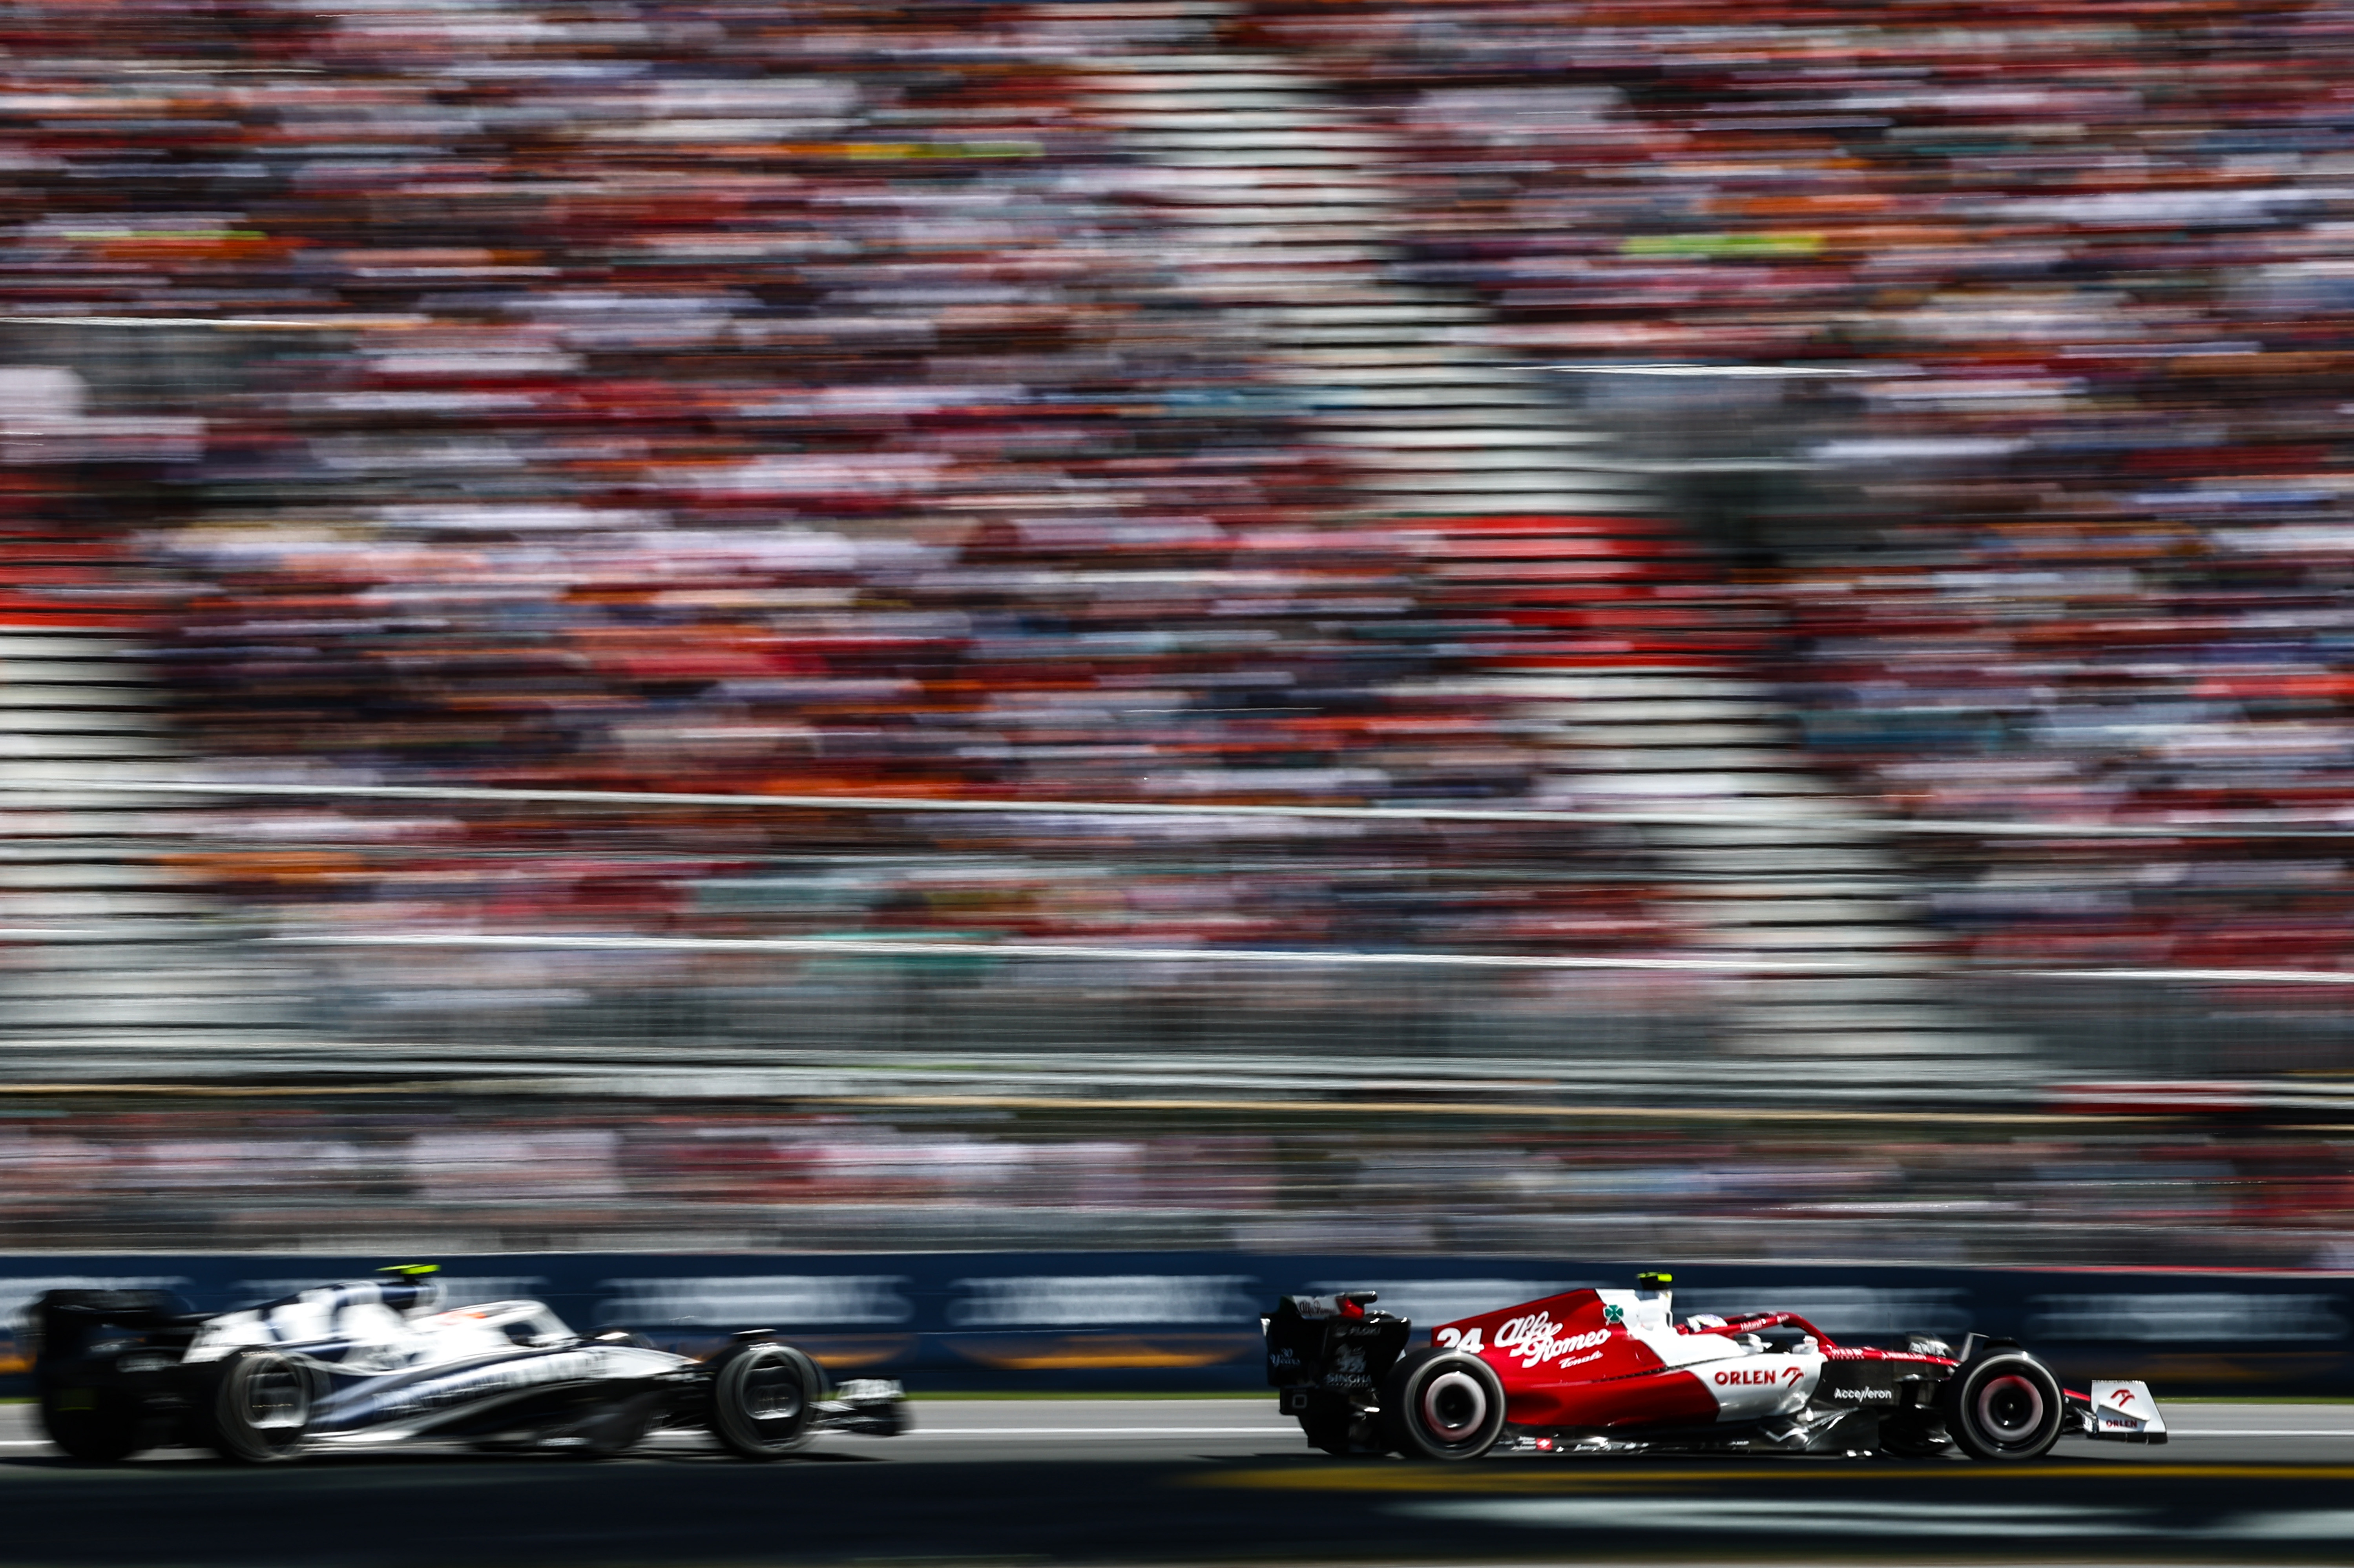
<point>764,1399</point>
<point>2004,1406</point>
<point>257,1408</point>
<point>1442,1405</point>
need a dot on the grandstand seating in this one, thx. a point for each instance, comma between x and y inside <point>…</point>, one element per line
<point>1824,415</point>
<point>2062,555</point>
<point>1144,400</point>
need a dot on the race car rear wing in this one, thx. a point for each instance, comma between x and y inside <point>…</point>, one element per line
<point>1334,1345</point>
<point>56,1326</point>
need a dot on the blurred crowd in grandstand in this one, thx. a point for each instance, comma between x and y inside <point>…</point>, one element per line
<point>811,397</point>
<point>2085,554</point>
<point>757,398</point>
<point>814,396</point>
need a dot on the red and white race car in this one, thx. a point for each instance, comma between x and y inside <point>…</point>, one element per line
<point>1614,1371</point>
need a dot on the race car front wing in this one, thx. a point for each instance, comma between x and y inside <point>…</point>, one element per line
<point>2119,1410</point>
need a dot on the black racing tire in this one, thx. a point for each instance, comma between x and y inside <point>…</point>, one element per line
<point>763,1399</point>
<point>95,1426</point>
<point>255,1408</point>
<point>1442,1405</point>
<point>2003,1407</point>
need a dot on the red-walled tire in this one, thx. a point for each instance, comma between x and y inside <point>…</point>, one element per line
<point>1442,1405</point>
<point>2003,1407</point>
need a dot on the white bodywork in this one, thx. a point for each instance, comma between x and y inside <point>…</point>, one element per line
<point>379,1339</point>
<point>2124,1409</point>
<point>1749,1380</point>
<point>393,1375</point>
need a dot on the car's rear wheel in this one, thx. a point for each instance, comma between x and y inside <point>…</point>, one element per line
<point>2005,1406</point>
<point>98,1426</point>
<point>1442,1405</point>
<point>257,1408</point>
<point>764,1399</point>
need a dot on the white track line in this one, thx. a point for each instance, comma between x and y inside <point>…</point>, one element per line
<point>1280,1432</point>
<point>1001,1434</point>
<point>1286,1432</point>
<point>2263,1432</point>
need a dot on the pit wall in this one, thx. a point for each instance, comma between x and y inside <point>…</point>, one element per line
<point>1181,1322</point>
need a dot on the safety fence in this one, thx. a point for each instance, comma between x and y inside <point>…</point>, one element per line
<point>802,963</point>
<point>901,1010</point>
<point>894,1014</point>
<point>1189,1321</point>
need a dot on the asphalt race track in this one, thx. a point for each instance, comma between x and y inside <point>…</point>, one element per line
<point>1083,1481</point>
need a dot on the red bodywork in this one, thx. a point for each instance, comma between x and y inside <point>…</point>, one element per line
<point>1579,1362</point>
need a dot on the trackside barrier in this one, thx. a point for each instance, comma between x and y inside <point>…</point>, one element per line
<point>1189,1321</point>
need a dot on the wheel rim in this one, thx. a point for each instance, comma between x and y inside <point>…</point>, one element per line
<point>2010,1409</point>
<point>1454,1406</point>
<point>771,1389</point>
<point>275,1403</point>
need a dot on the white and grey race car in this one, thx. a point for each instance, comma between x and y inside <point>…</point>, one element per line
<point>371,1364</point>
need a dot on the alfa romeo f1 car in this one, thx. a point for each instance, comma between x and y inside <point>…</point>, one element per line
<point>1614,1371</point>
<point>368,1364</point>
